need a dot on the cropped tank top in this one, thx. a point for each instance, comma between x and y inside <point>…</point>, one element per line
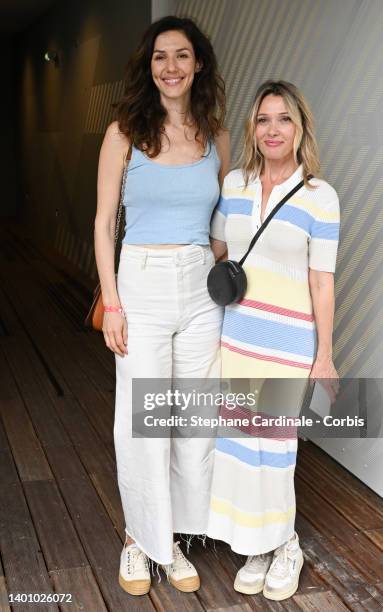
<point>168,204</point>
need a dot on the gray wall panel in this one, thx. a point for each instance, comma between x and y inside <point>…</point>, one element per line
<point>333,51</point>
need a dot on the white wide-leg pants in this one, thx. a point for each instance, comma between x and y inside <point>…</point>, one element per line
<point>173,331</point>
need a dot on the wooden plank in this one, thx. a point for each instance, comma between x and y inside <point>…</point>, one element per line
<point>80,287</point>
<point>332,564</point>
<point>337,493</point>
<point>82,586</point>
<point>362,553</point>
<point>95,456</point>
<point>89,463</point>
<point>286,604</point>
<point>8,472</point>
<point>352,507</point>
<point>345,572</point>
<point>376,536</point>
<point>21,333</point>
<point>38,401</point>
<point>23,561</point>
<point>58,538</point>
<point>60,302</point>
<point>216,589</point>
<point>237,608</point>
<point>51,434</point>
<point>93,356</point>
<point>314,455</point>
<point>28,454</point>
<point>99,412</point>
<point>95,342</point>
<point>317,602</point>
<point>230,563</point>
<point>40,396</point>
<point>4,444</point>
<point>107,489</point>
<point>166,598</point>
<point>98,536</point>
<point>4,600</point>
<point>32,380</point>
<point>50,411</point>
<point>341,577</point>
<point>79,428</point>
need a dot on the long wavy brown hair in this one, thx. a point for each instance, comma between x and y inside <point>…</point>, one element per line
<point>305,144</point>
<point>140,114</point>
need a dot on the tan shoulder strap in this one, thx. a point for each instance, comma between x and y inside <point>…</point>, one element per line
<point>127,158</point>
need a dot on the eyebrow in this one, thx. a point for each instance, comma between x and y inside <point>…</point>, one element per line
<point>266,114</point>
<point>177,50</point>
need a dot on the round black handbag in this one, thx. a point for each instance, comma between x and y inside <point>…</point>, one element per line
<point>226,281</point>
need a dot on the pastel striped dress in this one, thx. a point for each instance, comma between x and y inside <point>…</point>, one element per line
<point>270,334</point>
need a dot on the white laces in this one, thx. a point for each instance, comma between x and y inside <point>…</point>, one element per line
<point>180,560</point>
<point>135,559</point>
<point>280,564</point>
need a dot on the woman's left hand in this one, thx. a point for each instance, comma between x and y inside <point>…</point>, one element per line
<point>324,371</point>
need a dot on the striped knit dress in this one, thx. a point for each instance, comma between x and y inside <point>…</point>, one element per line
<point>270,334</point>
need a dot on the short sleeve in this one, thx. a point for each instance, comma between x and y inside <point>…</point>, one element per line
<point>324,234</point>
<point>218,221</point>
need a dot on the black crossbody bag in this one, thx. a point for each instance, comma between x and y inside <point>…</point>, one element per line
<point>226,281</point>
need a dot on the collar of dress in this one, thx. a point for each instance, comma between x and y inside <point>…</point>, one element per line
<point>288,184</point>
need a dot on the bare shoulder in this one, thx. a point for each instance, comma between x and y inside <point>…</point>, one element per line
<point>113,132</point>
<point>115,141</point>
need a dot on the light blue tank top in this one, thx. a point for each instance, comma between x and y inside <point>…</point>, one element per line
<point>170,204</point>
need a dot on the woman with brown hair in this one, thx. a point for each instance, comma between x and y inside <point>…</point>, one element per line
<point>159,320</point>
<point>281,329</point>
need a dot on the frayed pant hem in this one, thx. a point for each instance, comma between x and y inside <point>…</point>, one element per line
<point>167,565</point>
<point>144,550</point>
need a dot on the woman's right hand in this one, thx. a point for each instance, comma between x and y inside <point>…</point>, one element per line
<point>115,330</point>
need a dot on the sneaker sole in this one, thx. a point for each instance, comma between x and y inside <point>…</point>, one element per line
<point>248,590</point>
<point>134,587</point>
<point>187,585</point>
<point>284,594</point>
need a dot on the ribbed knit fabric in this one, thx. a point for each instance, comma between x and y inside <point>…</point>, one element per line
<point>270,334</point>
<point>170,204</point>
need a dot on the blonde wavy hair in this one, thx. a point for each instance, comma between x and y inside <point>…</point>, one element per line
<point>305,144</point>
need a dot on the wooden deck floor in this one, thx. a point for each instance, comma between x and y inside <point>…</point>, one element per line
<point>61,523</point>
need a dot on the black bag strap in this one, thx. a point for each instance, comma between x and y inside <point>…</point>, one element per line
<point>271,215</point>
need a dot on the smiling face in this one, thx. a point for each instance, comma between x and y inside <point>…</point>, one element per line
<point>275,130</point>
<point>173,65</point>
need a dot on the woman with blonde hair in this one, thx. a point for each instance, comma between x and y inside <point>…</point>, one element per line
<point>281,329</point>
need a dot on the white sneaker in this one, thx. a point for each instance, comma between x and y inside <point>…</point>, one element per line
<point>251,577</point>
<point>283,576</point>
<point>182,574</point>
<point>134,575</point>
